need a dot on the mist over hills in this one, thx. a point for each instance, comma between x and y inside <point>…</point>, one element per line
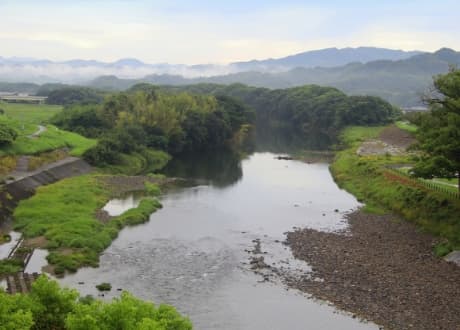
<point>400,82</point>
<point>18,69</point>
<point>398,77</point>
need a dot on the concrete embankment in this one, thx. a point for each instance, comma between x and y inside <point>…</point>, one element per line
<point>24,186</point>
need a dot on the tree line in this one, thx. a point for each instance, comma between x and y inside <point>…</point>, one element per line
<point>144,118</point>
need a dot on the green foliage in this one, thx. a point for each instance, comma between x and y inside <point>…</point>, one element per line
<point>439,134</point>
<point>51,304</point>
<point>406,126</point>
<point>104,286</point>
<point>49,307</point>
<point>10,266</point>
<point>152,189</point>
<point>7,134</point>
<point>369,179</point>
<point>24,118</point>
<point>75,237</point>
<point>13,315</point>
<point>130,125</point>
<point>311,113</point>
<point>127,313</point>
<point>74,95</point>
<point>51,139</point>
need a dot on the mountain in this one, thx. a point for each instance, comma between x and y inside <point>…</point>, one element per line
<point>399,77</point>
<point>400,82</point>
<point>17,69</point>
<point>329,57</point>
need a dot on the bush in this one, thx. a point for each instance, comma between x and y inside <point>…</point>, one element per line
<point>7,134</point>
<point>49,307</point>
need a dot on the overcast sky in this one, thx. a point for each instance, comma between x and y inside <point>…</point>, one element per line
<point>208,31</point>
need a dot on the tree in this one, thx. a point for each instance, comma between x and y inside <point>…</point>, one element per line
<point>49,307</point>
<point>127,313</point>
<point>439,133</point>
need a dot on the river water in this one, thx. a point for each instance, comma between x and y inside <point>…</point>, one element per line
<point>193,253</point>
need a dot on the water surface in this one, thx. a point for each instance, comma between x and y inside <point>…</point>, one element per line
<point>193,252</point>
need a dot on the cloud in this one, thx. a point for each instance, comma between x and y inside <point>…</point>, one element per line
<point>216,32</point>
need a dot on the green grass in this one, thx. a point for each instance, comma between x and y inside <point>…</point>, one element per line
<point>30,113</point>
<point>64,213</point>
<point>408,127</point>
<point>10,266</point>
<point>53,138</point>
<point>383,190</point>
<point>148,160</point>
<point>25,118</point>
<point>357,134</point>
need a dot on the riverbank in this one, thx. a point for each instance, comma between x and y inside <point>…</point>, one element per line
<point>371,177</point>
<point>71,230</point>
<point>381,269</point>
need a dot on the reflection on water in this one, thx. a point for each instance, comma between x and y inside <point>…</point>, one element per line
<point>286,139</point>
<point>118,206</point>
<point>193,253</point>
<point>219,168</point>
<point>6,248</point>
<point>37,261</point>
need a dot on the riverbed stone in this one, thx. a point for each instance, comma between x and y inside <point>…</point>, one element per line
<point>454,257</point>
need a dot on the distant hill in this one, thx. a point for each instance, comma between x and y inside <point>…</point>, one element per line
<point>329,57</point>
<point>397,76</point>
<point>19,69</point>
<point>400,82</point>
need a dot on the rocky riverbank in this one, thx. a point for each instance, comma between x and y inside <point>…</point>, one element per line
<point>382,269</point>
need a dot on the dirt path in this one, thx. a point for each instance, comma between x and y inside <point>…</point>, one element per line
<point>40,130</point>
<point>392,140</point>
<point>383,270</point>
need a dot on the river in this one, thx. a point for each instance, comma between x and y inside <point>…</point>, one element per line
<point>193,253</point>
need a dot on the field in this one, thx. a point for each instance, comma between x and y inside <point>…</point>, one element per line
<point>30,113</point>
<point>25,118</point>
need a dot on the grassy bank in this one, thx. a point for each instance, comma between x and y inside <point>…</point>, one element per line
<point>25,118</point>
<point>51,139</point>
<point>70,229</point>
<point>149,160</point>
<point>371,181</point>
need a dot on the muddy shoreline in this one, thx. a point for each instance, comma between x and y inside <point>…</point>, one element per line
<point>383,270</point>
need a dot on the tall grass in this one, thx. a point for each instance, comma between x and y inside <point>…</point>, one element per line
<point>371,182</point>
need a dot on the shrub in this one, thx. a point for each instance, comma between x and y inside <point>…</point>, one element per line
<point>7,134</point>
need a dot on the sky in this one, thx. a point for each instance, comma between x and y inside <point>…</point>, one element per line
<point>193,32</point>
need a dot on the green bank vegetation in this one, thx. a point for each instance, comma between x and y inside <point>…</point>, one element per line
<point>130,125</point>
<point>371,180</point>
<point>74,235</point>
<point>406,126</point>
<point>311,116</point>
<point>30,113</point>
<point>49,307</point>
<point>51,139</point>
<point>23,119</point>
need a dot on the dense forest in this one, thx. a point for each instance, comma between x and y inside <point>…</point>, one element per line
<point>207,116</point>
<point>144,119</point>
<point>311,113</point>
